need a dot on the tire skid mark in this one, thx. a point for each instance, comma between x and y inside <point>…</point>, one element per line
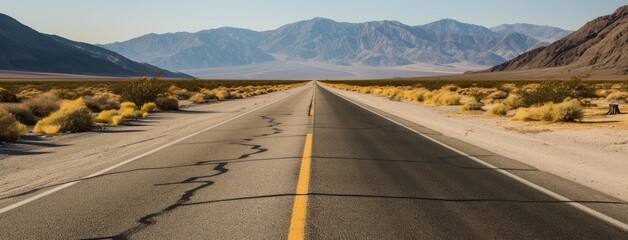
<point>150,219</point>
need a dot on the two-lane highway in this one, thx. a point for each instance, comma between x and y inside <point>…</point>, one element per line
<point>343,173</point>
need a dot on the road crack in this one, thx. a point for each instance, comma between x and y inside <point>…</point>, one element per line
<point>150,219</point>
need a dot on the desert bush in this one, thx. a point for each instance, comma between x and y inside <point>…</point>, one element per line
<point>499,109</point>
<point>130,110</point>
<point>209,94</point>
<point>471,105</point>
<point>166,103</point>
<point>617,97</point>
<point>450,87</point>
<point>7,96</point>
<point>148,107</point>
<point>222,94</point>
<point>567,112</point>
<point>102,101</point>
<point>72,116</point>
<point>65,93</point>
<point>443,98</point>
<point>198,98</point>
<point>548,91</point>
<point>108,116</point>
<point>513,101</point>
<point>180,93</point>
<point>22,113</point>
<point>10,129</point>
<point>43,105</point>
<point>142,91</point>
<point>497,95</point>
<point>27,93</point>
<point>509,87</point>
<point>562,112</point>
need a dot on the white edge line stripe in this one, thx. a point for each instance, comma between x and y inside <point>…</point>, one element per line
<point>546,191</point>
<point>63,186</point>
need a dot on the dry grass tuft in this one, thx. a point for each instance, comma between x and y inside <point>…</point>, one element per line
<point>500,109</point>
<point>102,101</point>
<point>222,94</point>
<point>198,98</point>
<point>7,96</point>
<point>471,105</point>
<point>129,110</point>
<point>10,128</point>
<point>149,107</point>
<point>22,113</point>
<point>72,116</point>
<point>617,97</point>
<point>561,112</point>
<point>44,104</point>
<point>112,117</point>
<point>443,98</point>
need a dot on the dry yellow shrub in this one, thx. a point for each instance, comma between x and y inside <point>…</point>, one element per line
<point>198,98</point>
<point>72,116</point>
<point>107,117</point>
<point>10,128</point>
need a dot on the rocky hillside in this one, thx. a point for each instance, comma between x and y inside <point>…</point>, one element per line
<point>24,49</point>
<point>599,45</point>
<point>539,32</point>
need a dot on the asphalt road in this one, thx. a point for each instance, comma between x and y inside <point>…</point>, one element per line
<point>368,178</point>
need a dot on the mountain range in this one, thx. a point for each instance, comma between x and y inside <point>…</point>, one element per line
<point>601,44</point>
<point>377,43</point>
<point>24,49</point>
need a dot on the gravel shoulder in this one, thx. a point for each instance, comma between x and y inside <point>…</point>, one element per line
<point>40,162</point>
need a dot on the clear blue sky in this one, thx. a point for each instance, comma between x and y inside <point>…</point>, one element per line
<point>104,21</point>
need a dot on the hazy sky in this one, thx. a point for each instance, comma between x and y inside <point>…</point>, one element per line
<point>106,21</point>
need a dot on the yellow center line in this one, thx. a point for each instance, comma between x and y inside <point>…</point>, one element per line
<point>299,212</point>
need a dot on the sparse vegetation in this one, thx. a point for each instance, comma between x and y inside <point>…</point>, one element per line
<point>66,106</point>
<point>143,90</point>
<point>149,107</point>
<point>562,112</point>
<point>499,109</point>
<point>10,128</point>
<point>44,104</point>
<point>72,116</point>
<point>549,100</point>
<point>167,103</point>
<point>7,96</point>
<point>472,105</point>
<point>22,113</point>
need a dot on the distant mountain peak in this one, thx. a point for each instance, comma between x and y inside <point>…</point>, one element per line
<point>453,26</point>
<point>373,43</point>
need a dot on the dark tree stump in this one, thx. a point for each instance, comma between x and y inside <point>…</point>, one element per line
<point>613,109</point>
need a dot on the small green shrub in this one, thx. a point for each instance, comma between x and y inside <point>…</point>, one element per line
<point>143,90</point>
